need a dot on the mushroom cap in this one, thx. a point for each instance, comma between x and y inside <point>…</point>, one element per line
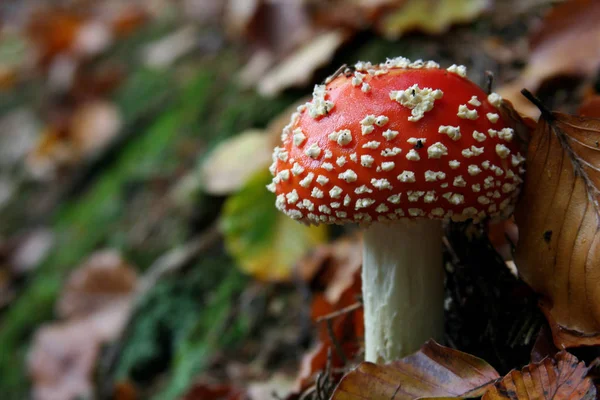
<point>396,140</point>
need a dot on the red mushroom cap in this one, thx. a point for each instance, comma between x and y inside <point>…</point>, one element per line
<point>396,140</point>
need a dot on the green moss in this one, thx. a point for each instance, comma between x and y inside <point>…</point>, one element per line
<point>181,323</point>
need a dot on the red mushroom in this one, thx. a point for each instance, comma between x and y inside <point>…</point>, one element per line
<point>398,147</point>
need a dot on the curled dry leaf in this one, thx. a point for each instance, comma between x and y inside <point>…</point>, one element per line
<point>558,253</point>
<point>562,378</point>
<point>433,371</point>
<point>572,28</point>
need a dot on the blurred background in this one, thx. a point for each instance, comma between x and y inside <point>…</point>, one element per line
<point>140,255</point>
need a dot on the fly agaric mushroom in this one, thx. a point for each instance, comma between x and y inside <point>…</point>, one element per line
<point>398,147</point>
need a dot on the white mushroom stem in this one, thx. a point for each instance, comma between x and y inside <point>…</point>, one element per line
<point>403,287</point>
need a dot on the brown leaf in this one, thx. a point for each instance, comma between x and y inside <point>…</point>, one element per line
<point>433,371</point>
<point>335,273</point>
<point>558,253</point>
<point>63,355</point>
<point>103,279</point>
<point>333,266</point>
<point>590,107</point>
<point>569,28</point>
<point>561,379</point>
<point>544,346</point>
<point>347,328</point>
<point>53,32</point>
<point>128,19</point>
<point>201,391</point>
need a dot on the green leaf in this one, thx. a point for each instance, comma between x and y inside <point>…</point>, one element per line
<point>265,242</point>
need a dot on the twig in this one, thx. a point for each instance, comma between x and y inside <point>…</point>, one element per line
<point>396,392</point>
<point>337,73</point>
<point>489,81</point>
<point>340,312</point>
<point>546,113</point>
<point>336,343</point>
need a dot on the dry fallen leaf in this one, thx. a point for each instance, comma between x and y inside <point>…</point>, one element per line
<point>63,355</point>
<point>562,378</point>
<point>298,68</point>
<point>558,253</point>
<point>233,161</point>
<point>334,270</point>
<point>334,266</point>
<point>103,279</point>
<point>201,391</point>
<point>433,371</point>
<point>590,107</point>
<point>431,16</point>
<point>53,32</point>
<point>570,28</point>
<point>75,137</point>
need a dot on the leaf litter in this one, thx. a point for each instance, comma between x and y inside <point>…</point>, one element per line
<point>558,221</point>
<point>328,275</point>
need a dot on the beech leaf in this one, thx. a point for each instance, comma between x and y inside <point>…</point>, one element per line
<point>558,253</point>
<point>265,242</point>
<point>590,107</point>
<point>561,379</point>
<point>234,161</point>
<point>434,371</point>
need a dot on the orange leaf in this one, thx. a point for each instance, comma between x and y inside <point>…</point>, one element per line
<point>433,371</point>
<point>561,379</point>
<point>590,107</point>
<point>335,270</point>
<point>558,253</point>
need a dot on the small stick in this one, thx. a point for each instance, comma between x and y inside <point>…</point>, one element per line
<point>340,312</point>
<point>336,343</point>
<point>489,79</point>
<point>337,73</point>
<point>546,113</point>
<point>395,392</point>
